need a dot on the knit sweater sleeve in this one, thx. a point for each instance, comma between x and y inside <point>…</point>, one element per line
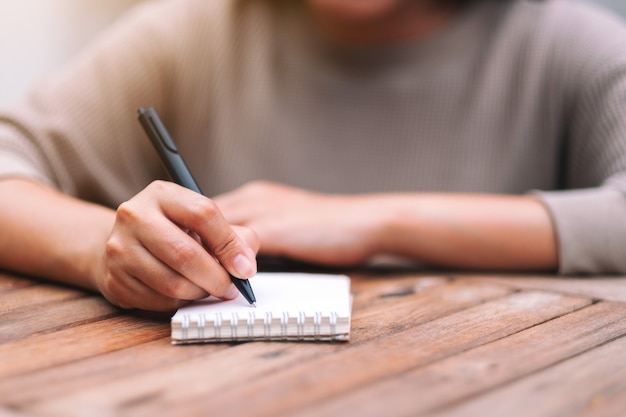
<point>590,215</point>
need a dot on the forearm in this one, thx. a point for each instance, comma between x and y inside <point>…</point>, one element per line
<point>48,234</point>
<point>468,231</point>
<point>452,230</point>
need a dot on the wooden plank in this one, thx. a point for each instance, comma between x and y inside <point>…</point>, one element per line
<point>562,390</point>
<point>29,297</point>
<point>487,367</point>
<point>23,389</point>
<point>333,375</point>
<point>5,412</point>
<point>70,377</point>
<point>316,377</point>
<point>611,403</point>
<point>395,308</point>
<point>602,288</point>
<point>75,343</point>
<point>248,363</point>
<point>373,289</point>
<point>43,318</point>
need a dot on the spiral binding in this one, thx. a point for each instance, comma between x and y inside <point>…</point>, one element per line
<point>217,325</point>
<point>251,320</point>
<point>267,324</point>
<point>284,321</point>
<point>300,322</point>
<point>317,325</point>
<point>218,322</point>
<point>333,322</point>
<point>185,326</point>
<point>201,325</point>
<point>234,322</point>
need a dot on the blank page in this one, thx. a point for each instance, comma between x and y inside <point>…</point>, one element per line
<point>290,306</point>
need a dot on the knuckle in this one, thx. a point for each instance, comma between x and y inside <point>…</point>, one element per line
<point>201,211</point>
<point>257,187</point>
<point>183,254</point>
<point>126,213</point>
<point>112,290</point>
<point>114,248</point>
<point>157,186</point>
<point>227,247</point>
<point>108,284</point>
<point>173,290</point>
<point>176,288</point>
<point>203,208</point>
<point>170,304</point>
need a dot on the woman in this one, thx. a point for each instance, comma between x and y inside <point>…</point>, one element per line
<point>486,134</point>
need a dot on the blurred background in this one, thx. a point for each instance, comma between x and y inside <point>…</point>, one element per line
<point>37,36</point>
<point>617,5</point>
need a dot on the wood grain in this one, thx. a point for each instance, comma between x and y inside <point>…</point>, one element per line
<point>307,379</point>
<point>30,296</point>
<point>603,288</point>
<point>4,412</point>
<point>336,374</point>
<point>193,379</point>
<point>484,368</point>
<point>610,403</point>
<point>53,382</point>
<point>422,344</point>
<point>564,389</point>
<point>26,322</point>
<point>79,342</point>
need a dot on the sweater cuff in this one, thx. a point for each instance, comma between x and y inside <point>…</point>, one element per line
<point>590,228</point>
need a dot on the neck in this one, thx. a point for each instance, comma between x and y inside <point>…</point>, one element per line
<point>408,21</point>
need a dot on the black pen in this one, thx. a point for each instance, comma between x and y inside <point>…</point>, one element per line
<point>175,165</point>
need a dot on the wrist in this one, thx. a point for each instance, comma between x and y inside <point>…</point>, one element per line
<point>384,224</point>
<point>91,264</point>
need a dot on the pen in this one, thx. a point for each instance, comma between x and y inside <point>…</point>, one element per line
<point>175,165</point>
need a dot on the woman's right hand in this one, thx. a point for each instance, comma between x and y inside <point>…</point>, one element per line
<point>170,245</point>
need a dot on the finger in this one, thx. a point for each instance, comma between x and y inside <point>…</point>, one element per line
<point>158,276</point>
<point>143,220</point>
<point>186,257</point>
<point>127,292</point>
<point>202,215</point>
<point>250,238</point>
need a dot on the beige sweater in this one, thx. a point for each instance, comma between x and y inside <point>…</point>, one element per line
<point>513,97</point>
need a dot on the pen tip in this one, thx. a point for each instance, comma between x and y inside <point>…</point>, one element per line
<point>254,305</point>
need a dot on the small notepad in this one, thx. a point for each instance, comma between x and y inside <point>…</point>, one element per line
<point>290,306</point>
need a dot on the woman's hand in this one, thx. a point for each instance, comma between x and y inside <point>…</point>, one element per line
<point>469,231</point>
<point>170,245</point>
<point>303,225</point>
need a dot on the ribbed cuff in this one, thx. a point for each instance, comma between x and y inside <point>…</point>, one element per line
<point>591,229</point>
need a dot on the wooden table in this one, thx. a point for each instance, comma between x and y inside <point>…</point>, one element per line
<point>421,344</point>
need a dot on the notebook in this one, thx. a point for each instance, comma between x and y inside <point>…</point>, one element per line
<point>290,306</point>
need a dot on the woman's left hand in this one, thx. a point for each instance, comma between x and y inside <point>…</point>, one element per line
<point>304,225</point>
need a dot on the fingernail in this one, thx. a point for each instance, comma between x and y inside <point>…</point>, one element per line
<point>243,266</point>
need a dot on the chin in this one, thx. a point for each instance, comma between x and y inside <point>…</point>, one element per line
<point>355,10</point>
